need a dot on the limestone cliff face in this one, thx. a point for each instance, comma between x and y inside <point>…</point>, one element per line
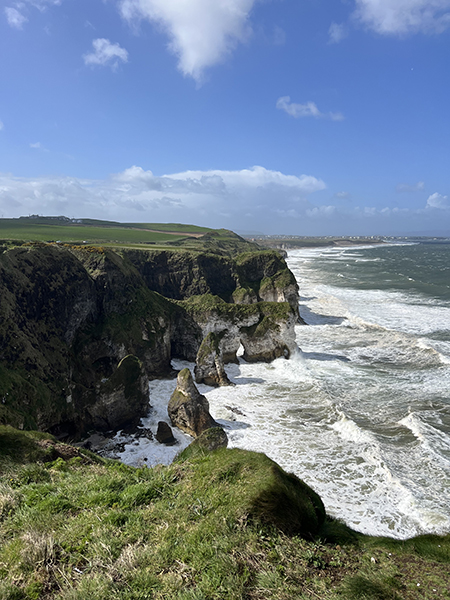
<point>75,321</point>
<point>266,330</point>
<point>267,275</point>
<point>67,320</point>
<point>182,274</point>
<point>244,278</point>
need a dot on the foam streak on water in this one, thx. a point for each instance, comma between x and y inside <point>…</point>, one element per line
<point>362,412</point>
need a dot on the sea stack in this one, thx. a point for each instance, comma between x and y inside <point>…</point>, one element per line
<point>188,409</point>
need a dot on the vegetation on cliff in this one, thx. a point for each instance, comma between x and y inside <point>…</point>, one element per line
<point>70,312</point>
<point>202,528</point>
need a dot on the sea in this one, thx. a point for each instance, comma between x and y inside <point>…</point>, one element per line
<point>361,412</point>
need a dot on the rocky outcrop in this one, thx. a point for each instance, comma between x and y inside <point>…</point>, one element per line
<point>266,330</point>
<point>188,409</point>
<point>69,316</point>
<point>209,367</point>
<point>269,339</point>
<point>164,434</point>
<point>265,277</point>
<point>245,278</point>
<point>123,398</point>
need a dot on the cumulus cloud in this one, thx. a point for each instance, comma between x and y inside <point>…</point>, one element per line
<point>403,17</point>
<point>342,195</point>
<point>321,211</point>
<point>202,32</point>
<point>438,201</point>
<point>337,32</point>
<point>14,17</point>
<point>406,187</point>
<point>214,198</point>
<point>254,199</point>
<point>305,110</point>
<point>106,54</point>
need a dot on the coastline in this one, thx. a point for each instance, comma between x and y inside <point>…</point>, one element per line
<point>314,417</point>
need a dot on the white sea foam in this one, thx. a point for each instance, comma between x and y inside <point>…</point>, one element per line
<point>361,413</point>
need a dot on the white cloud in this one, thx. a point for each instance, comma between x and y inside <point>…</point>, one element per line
<point>40,4</point>
<point>403,17</point>
<point>406,187</point>
<point>438,201</point>
<point>321,211</point>
<point>15,14</point>
<point>15,18</point>
<point>305,110</point>
<point>38,146</point>
<point>255,199</point>
<point>202,32</point>
<point>342,195</point>
<point>337,32</point>
<point>215,198</point>
<point>106,54</point>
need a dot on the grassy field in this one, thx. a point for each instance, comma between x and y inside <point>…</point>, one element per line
<point>76,527</point>
<point>47,229</point>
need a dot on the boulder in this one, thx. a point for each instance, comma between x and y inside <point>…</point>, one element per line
<point>209,368</point>
<point>188,409</point>
<point>164,434</point>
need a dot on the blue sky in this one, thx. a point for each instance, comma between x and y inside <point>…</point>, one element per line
<point>308,117</point>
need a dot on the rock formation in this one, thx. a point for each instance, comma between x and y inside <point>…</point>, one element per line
<point>68,317</point>
<point>209,367</point>
<point>69,314</point>
<point>164,434</point>
<point>188,409</point>
<point>266,330</point>
<point>122,398</point>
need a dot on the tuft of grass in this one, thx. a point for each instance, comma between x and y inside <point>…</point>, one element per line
<point>219,525</point>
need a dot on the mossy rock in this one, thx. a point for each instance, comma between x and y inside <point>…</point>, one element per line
<point>254,487</point>
<point>210,440</point>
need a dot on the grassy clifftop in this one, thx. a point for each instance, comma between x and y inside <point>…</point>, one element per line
<point>111,233</point>
<point>206,527</point>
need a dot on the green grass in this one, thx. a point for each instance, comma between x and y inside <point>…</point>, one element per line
<point>78,233</point>
<point>174,236</point>
<point>98,530</point>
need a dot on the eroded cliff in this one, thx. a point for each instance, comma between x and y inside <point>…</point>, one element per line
<point>83,328</point>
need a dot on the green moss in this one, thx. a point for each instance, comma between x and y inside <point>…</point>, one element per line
<point>210,344</point>
<point>209,440</point>
<point>205,305</point>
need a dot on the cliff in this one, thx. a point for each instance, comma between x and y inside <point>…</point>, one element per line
<point>68,319</point>
<point>83,328</point>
